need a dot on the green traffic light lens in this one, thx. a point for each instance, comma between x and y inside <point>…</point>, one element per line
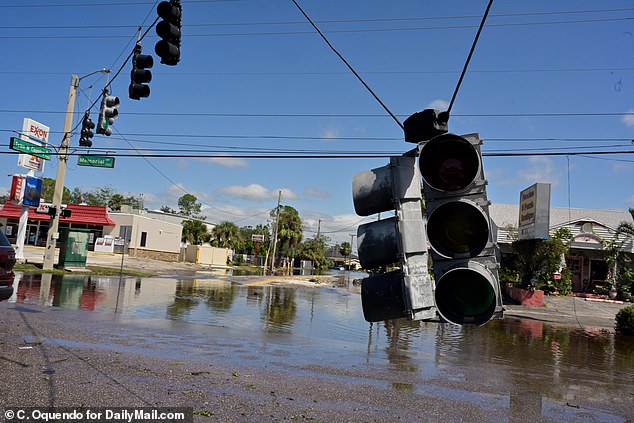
<point>458,228</point>
<point>449,163</point>
<point>464,295</point>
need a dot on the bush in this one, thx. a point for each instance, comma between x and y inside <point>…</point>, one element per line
<point>625,321</point>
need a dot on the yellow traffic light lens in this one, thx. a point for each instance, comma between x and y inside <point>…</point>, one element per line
<point>458,228</point>
<point>449,163</point>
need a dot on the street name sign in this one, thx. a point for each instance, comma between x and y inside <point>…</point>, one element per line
<point>95,161</point>
<point>22,146</point>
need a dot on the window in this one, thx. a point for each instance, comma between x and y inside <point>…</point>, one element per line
<point>143,239</point>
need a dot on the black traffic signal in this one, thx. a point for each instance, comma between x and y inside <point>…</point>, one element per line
<point>87,125</point>
<point>107,113</point>
<point>169,29</point>
<point>407,292</point>
<point>140,75</point>
<point>65,213</point>
<point>464,251</point>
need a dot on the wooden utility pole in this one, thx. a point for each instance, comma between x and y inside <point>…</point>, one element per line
<point>276,229</point>
<point>53,234</point>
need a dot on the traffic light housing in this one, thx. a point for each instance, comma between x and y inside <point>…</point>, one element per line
<point>408,291</point>
<point>87,125</point>
<point>107,113</point>
<point>464,251</point>
<point>169,29</point>
<point>140,75</point>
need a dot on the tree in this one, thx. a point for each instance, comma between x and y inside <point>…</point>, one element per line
<point>246,246</point>
<point>536,261</point>
<point>169,210</point>
<point>188,206</point>
<point>226,234</point>
<point>345,249</point>
<point>48,189</point>
<point>289,231</point>
<point>314,249</point>
<point>194,232</point>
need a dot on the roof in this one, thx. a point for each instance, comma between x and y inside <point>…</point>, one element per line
<point>80,214</point>
<point>505,214</point>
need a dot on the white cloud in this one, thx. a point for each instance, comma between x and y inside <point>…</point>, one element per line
<point>630,202</point>
<point>541,169</point>
<point>628,120</point>
<point>232,162</point>
<point>438,104</point>
<point>256,192</point>
<point>316,192</point>
<point>330,133</point>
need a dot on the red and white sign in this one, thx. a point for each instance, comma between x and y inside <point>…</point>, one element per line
<point>17,189</point>
<point>35,133</point>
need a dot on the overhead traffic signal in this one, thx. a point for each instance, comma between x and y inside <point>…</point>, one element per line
<point>464,251</point>
<point>140,75</point>
<point>169,29</point>
<point>87,125</point>
<point>107,113</point>
<point>406,292</point>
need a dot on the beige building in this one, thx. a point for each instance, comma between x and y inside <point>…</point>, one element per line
<point>147,237</point>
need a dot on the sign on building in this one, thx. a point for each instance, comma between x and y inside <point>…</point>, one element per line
<point>534,219</point>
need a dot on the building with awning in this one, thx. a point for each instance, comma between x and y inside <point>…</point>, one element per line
<point>93,218</point>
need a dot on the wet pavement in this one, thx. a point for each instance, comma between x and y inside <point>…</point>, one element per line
<point>236,349</point>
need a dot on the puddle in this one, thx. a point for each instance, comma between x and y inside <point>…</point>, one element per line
<point>510,365</point>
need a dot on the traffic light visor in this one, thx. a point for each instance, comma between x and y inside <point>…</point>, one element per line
<point>449,163</point>
<point>458,229</point>
<point>466,295</point>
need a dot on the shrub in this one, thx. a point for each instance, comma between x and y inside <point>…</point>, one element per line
<point>625,321</point>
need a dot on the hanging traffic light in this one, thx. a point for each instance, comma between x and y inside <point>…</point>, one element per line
<point>140,75</point>
<point>87,125</point>
<point>169,29</point>
<point>107,113</point>
<point>459,229</point>
<point>406,292</point>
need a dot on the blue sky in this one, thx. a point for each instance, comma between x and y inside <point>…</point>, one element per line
<point>255,75</point>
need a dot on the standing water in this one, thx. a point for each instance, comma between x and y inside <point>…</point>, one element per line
<point>525,367</point>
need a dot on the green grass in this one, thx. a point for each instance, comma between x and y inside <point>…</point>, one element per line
<point>91,270</point>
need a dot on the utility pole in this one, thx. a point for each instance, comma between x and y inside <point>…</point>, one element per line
<point>53,234</point>
<point>276,229</point>
<point>318,228</point>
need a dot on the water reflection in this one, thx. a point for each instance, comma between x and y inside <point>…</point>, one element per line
<point>526,367</point>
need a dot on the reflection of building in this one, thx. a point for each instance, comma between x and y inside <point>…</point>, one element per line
<point>589,228</point>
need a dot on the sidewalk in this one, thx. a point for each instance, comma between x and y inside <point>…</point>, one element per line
<point>570,311</point>
<point>35,255</point>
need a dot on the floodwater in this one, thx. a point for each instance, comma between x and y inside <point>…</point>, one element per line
<point>521,366</point>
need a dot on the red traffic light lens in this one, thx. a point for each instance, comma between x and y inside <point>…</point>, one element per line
<point>465,295</point>
<point>449,163</point>
<point>458,228</point>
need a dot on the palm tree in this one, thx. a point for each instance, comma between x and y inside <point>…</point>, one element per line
<point>194,232</point>
<point>226,234</point>
<point>625,228</point>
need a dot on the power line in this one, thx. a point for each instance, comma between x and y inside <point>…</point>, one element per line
<point>338,73</point>
<point>334,31</point>
<point>320,21</point>
<point>466,65</point>
<point>342,115</point>
<point>343,59</point>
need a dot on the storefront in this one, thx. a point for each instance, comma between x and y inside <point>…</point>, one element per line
<point>93,218</point>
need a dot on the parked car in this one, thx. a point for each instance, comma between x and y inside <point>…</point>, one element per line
<point>7,261</point>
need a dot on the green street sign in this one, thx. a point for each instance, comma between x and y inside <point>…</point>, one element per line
<point>95,161</point>
<point>22,146</point>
